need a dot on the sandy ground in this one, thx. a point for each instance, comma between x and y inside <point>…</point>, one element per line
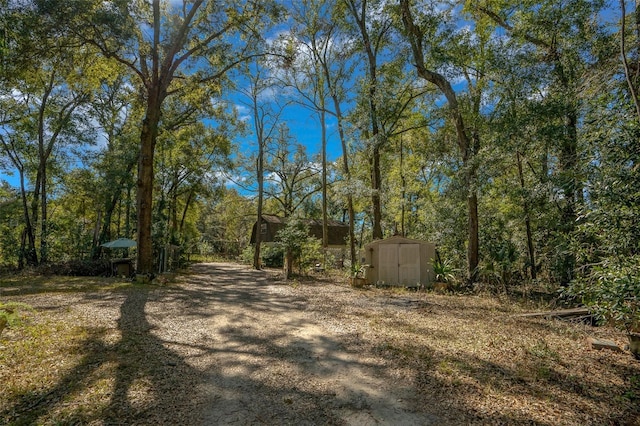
<point>273,361</point>
<point>223,344</point>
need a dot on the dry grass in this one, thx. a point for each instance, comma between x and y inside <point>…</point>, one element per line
<point>478,362</point>
<point>28,283</point>
<point>470,359</point>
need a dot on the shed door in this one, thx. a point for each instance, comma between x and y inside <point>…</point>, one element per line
<point>388,263</point>
<point>399,264</point>
<point>409,264</point>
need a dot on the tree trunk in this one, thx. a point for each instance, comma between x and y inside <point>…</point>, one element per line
<point>570,184</point>
<point>106,225</point>
<point>473,244</point>
<point>21,253</point>
<point>173,212</point>
<point>145,184</point>
<point>31,254</point>
<point>127,212</point>
<point>527,220</point>
<point>187,204</point>
<point>325,219</point>
<point>631,79</point>
<point>256,253</point>
<point>360,15</point>
<point>44,247</point>
<point>375,194</point>
<point>96,248</point>
<point>260,175</point>
<point>115,201</point>
<point>403,190</point>
<point>345,167</point>
<point>288,264</point>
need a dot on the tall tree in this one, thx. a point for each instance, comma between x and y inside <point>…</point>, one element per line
<point>372,30</point>
<point>421,35</point>
<point>561,35</point>
<point>117,112</point>
<point>266,114</point>
<point>170,48</point>
<point>190,153</point>
<point>319,68</point>
<point>47,110</point>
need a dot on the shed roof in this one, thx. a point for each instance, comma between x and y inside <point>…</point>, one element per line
<point>396,239</point>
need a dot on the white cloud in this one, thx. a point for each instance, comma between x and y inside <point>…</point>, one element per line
<point>243,112</point>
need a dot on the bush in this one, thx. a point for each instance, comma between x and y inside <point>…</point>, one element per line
<point>300,248</point>
<point>271,256</point>
<point>443,271</point>
<point>612,291</point>
<point>76,268</point>
<point>310,254</point>
<point>247,255</point>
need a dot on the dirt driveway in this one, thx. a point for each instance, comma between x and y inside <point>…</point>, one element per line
<point>223,345</point>
<point>271,359</point>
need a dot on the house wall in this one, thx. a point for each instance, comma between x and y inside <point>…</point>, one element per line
<point>338,232</point>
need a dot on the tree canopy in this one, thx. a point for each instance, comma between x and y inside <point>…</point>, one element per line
<point>505,132</point>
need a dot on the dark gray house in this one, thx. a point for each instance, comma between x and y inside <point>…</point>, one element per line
<point>271,224</point>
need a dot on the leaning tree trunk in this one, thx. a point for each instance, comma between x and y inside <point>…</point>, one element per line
<point>467,145</point>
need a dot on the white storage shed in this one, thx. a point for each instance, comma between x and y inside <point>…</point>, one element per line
<point>399,261</point>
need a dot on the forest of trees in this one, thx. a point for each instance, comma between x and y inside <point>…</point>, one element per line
<point>506,132</point>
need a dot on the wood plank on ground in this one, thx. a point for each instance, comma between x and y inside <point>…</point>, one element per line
<point>560,313</point>
<point>600,344</point>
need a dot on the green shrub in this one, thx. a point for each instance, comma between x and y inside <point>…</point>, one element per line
<point>272,256</point>
<point>310,254</point>
<point>611,290</point>
<point>247,255</point>
<point>444,272</point>
<point>76,268</point>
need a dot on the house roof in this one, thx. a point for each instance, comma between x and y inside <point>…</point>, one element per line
<point>311,222</point>
<point>273,218</point>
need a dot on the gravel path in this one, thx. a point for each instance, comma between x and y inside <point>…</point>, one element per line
<point>226,345</point>
<point>273,361</point>
<point>223,345</point>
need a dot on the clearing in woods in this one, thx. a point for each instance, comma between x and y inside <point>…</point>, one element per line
<point>223,344</point>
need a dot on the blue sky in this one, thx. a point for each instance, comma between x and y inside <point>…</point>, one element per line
<point>303,124</point>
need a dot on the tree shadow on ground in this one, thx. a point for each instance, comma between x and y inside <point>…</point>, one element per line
<point>137,364</point>
<point>235,368</point>
<point>463,381</point>
<point>153,380</point>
